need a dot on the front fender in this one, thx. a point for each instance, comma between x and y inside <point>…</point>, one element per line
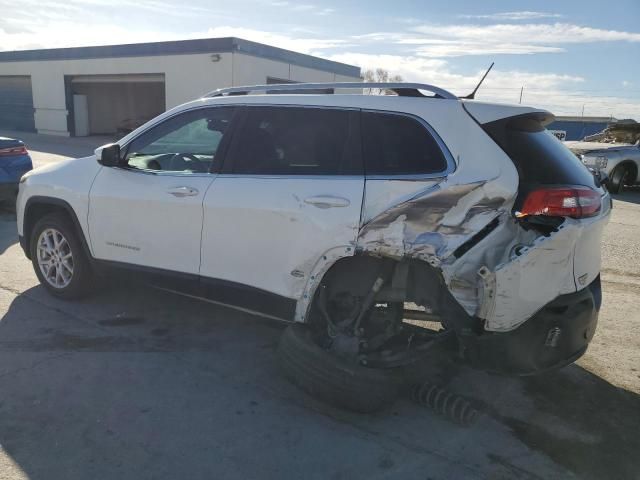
<point>65,183</point>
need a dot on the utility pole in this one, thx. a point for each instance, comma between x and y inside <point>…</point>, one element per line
<point>521,90</point>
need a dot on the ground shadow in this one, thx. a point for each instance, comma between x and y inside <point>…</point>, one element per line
<point>576,418</point>
<point>8,235</point>
<point>628,195</point>
<point>135,383</point>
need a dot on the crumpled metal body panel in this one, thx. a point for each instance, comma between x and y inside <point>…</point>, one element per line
<point>541,271</point>
<point>507,276</point>
<point>498,279</point>
<point>433,222</point>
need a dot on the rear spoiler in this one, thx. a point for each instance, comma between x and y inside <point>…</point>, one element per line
<point>484,113</point>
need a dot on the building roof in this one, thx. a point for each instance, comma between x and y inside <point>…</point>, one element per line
<point>183,47</point>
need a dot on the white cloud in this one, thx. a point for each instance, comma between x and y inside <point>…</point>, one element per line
<point>427,61</point>
<point>503,38</point>
<point>303,45</point>
<point>445,48</point>
<point>532,33</point>
<point>66,34</point>
<point>560,94</point>
<point>439,72</point>
<point>301,7</point>
<point>522,15</point>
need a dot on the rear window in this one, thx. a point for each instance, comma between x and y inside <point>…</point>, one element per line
<point>538,155</point>
<point>296,141</point>
<point>399,145</point>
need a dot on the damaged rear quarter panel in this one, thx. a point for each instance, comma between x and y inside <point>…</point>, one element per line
<point>527,281</point>
<point>429,219</point>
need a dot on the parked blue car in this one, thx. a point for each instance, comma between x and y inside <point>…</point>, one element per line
<point>14,162</point>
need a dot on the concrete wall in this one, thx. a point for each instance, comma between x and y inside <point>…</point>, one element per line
<point>186,77</point>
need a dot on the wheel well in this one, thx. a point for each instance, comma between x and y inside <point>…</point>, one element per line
<point>405,281</point>
<point>632,167</point>
<point>35,211</point>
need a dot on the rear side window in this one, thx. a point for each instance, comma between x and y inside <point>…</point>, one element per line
<point>539,157</point>
<point>399,145</point>
<point>296,141</point>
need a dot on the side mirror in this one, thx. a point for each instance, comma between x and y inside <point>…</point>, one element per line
<point>109,155</point>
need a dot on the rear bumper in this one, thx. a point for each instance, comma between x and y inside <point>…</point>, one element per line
<point>554,337</point>
<point>11,169</point>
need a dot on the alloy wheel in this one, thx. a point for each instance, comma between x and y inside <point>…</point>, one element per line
<point>55,258</point>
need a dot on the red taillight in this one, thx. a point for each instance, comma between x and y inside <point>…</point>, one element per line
<point>11,151</point>
<point>575,202</point>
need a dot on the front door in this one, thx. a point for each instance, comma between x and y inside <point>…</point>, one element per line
<point>149,211</point>
<point>290,191</point>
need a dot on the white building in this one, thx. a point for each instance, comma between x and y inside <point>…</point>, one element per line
<point>97,90</point>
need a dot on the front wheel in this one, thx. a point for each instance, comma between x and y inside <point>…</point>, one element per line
<point>58,258</point>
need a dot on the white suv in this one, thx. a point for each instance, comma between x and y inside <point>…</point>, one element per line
<point>358,215</point>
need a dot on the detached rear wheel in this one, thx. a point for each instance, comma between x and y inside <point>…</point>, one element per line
<point>58,258</point>
<point>331,378</point>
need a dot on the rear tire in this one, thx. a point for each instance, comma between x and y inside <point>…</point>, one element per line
<point>331,378</point>
<point>618,177</point>
<point>59,259</point>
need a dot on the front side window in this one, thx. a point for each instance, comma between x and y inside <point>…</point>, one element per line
<point>399,145</point>
<point>184,143</point>
<point>296,141</point>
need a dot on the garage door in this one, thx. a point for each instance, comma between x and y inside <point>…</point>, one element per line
<point>16,103</point>
<point>119,103</point>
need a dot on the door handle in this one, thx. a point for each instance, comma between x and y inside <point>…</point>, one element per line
<point>183,192</point>
<point>327,201</point>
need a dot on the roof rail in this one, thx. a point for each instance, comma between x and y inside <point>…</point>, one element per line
<point>402,89</point>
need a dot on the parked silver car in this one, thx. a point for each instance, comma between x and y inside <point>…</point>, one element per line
<point>619,161</point>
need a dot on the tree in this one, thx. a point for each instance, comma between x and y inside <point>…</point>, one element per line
<point>379,75</point>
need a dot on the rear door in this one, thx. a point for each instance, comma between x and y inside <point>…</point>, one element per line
<point>405,160</point>
<point>291,190</point>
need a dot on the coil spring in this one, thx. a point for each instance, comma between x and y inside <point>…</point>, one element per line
<point>452,406</point>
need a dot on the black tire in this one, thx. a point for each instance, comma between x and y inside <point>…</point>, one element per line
<point>617,179</point>
<point>332,379</point>
<point>81,280</point>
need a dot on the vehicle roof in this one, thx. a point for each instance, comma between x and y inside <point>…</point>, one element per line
<point>483,112</point>
<point>433,109</point>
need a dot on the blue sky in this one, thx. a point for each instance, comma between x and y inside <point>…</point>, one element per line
<point>568,55</point>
